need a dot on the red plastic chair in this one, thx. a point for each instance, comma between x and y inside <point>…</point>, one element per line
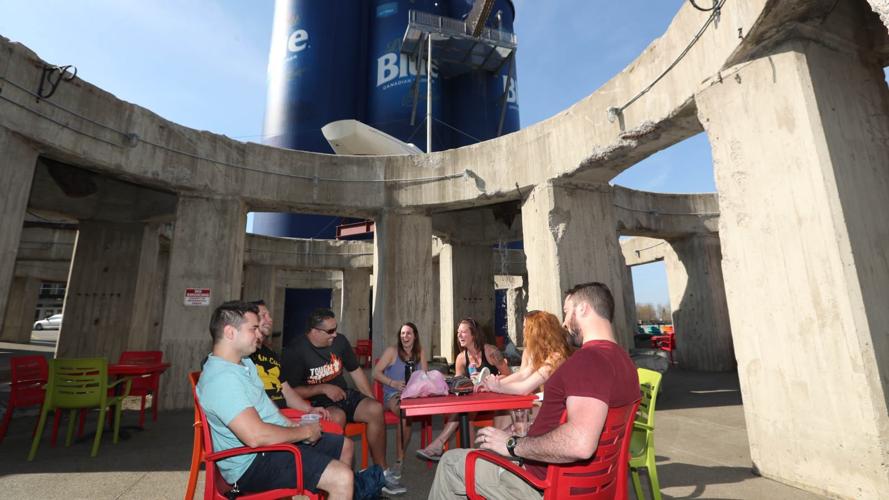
<point>215,487</point>
<point>29,375</point>
<point>198,442</point>
<point>144,386</point>
<point>665,343</point>
<point>363,348</point>
<point>604,476</point>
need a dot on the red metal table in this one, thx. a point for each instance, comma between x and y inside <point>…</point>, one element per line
<point>464,405</point>
<point>136,369</point>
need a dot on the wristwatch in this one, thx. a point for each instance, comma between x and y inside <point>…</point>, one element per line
<point>511,443</point>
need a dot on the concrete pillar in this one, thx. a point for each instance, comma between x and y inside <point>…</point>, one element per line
<point>20,310</point>
<point>111,291</point>
<point>570,238</point>
<point>278,319</point>
<point>466,289</point>
<point>435,331</point>
<point>799,141</point>
<point>629,300</point>
<point>204,227</point>
<point>402,286</point>
<point>697,299</point>
<point>17,162</point>
<point>354,319</point>
<point>516,308</point>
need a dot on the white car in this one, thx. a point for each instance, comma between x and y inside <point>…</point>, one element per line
<point>53,322</point>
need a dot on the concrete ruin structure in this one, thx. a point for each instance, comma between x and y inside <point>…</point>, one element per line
<point>783,273</point>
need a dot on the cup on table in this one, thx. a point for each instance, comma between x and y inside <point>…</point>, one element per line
<point>520,420</point>
<point>309,418</point>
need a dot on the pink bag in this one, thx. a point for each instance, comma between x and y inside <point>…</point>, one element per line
<point>422,384</point>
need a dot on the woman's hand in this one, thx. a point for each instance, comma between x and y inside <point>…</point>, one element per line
<point>398,385</point>
<point>492,383</point>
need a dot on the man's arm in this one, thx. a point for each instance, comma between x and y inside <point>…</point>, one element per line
<point>361,382</point>
<point>293,399</point>
<point>576,439</point>
<point>253,432</point>
<point>333,392</point>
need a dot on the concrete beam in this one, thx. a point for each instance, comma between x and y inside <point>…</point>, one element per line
<point>640,250</point>
<point>301,253</point>
<point>660,215</point>
<point>56,271</point>
<point>799,143</point>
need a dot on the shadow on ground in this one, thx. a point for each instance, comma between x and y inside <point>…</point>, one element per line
<point>689,389</point>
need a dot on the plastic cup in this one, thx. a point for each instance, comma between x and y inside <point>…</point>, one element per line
<point>310,418</point>
<point>520,422</point>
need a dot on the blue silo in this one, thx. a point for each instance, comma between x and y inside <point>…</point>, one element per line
<point>474,98</point>
<point>391,75</point>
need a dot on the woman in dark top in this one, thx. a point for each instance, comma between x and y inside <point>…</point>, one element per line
<point>475,355</point>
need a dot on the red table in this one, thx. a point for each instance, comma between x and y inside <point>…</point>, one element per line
<point>137,369</point>
<point>464,405</point>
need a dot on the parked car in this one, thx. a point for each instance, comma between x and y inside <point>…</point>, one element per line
<point>53,322</point>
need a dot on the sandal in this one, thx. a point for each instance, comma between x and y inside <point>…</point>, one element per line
<point>430,453</point>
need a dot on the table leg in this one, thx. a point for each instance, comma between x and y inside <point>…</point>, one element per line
<point>464,431</point>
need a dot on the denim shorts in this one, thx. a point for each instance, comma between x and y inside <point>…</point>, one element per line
<point>276,469</point>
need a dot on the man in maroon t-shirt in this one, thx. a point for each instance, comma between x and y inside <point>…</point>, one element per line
<point>598,376</point>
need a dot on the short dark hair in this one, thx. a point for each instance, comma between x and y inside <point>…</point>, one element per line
<point>230,313</point>
<point>597,295</point>
<point>317,317</point>
<point>258,302</point>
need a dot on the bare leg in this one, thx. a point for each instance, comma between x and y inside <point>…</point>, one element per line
<point>404,431</point>
<point>337,416</point>
<point>348,452</point>
<point>337,480</point>
<point>370,411</point>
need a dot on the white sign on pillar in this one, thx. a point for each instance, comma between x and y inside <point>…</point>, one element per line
<point>197,296</point>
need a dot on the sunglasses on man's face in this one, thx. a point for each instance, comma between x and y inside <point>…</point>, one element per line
<point>329,332</point>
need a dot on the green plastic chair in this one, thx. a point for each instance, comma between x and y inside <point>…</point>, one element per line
<point>76,384</point>
<point>642,440</point>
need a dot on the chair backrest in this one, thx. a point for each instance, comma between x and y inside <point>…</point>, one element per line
<point>215,486</point>
<point>605,474</point>
<point>142,384</point>
<point>77,382</point>
<point>649,384</point>
<point>29,375</point>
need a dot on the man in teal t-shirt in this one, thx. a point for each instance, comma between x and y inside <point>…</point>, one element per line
<point>240,413</point>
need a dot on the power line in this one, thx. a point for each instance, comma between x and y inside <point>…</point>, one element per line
<point>614,112</point>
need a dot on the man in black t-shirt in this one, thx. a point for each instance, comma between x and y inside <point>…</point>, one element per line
<point>268,367</point>
<point>314,364</point>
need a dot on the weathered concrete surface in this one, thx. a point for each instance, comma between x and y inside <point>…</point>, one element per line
<point>466,284</point>
<point>697,299</point>
<point>18,159</point>
<point>570,238</point>
<point>640,250</point>
<point>799,145</point>
<point>46,243</point>
<point>354,318</point>
<point>111,290</point>
<point>661,215</point>
<point>20,309</point>
<point>402,289</point>
<point>204,227</point>
<point>489,225</point>
<point>302,253</point>
<point>135,144</point>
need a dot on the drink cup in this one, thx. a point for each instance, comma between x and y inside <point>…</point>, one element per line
<point>307,419</point>
<point>520,422</point>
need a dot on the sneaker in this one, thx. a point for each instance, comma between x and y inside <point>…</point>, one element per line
<point>430,453</point>
<point>393,486</point>
<point>395,471</point>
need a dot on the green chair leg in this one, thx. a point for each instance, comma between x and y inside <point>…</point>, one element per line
<point>117,421</point>
<point>38,434</point>
<point>653,482</point>
<point>72,417</point>
<point>99,428</point>
<point>637,486</point>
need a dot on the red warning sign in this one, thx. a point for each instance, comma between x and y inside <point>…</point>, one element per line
<point>197,296</point>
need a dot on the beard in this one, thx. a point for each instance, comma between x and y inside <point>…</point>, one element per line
<point>575,339</point>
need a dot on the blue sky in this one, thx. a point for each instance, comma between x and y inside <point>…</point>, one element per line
<point>202,63</point>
